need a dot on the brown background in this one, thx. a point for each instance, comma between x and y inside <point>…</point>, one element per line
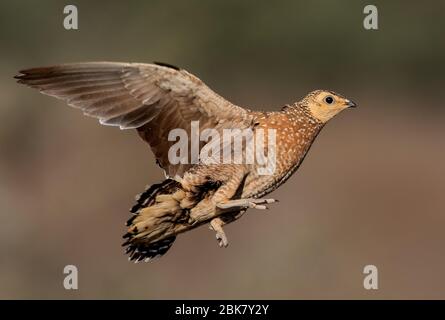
<point>371,190</point>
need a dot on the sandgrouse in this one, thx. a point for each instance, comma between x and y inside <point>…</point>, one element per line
<point>155,99</point>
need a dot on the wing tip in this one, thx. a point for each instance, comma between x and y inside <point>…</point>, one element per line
<point>68,67</point>
<point>25,75</point>
<point>21,76</point>
<point>19,79</point>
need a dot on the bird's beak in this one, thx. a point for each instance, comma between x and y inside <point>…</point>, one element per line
<point>351,104</point>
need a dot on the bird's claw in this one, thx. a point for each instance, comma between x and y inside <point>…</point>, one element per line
<point>222,239</point>
<point>216,225</point>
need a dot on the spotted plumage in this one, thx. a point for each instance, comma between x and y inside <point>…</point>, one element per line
<point>156,99</point>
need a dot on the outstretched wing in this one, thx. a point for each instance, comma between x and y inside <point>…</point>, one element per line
<point>152,98</point>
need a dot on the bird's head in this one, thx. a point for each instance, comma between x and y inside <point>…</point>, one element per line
<point>324,105</point>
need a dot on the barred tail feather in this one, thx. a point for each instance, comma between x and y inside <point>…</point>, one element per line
<point>157,209</point>
<point>140,251</point>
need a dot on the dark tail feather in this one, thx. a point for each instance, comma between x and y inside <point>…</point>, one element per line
<point>148,242</point>
<point>143,200</point>
<point>147,252</point>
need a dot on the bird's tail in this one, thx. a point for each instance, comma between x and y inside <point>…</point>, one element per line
<point>151,229</point>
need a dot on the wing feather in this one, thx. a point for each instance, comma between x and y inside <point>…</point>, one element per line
<point>152,98</point>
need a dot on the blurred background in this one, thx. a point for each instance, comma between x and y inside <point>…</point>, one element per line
<point>371,190</point>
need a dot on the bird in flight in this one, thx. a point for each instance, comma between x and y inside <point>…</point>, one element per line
<point>157,99</point>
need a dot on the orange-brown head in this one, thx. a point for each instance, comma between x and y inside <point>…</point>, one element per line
<point>324,104</point>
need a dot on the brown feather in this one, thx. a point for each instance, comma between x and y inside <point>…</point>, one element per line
<point>153,98</point>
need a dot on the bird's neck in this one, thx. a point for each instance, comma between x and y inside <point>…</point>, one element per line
<point>300,111</point>
<point>306,127</point>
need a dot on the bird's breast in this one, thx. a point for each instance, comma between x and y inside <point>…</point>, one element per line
<point>288,141</point>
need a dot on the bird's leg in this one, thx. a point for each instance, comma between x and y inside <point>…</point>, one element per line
<point>216,225</point>
<point>246,203</point>
<point>207,209</point>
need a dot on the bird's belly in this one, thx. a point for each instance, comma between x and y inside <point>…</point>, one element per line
<point>257,185</point>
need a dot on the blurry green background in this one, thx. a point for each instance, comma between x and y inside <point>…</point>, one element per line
<point>371,190</point>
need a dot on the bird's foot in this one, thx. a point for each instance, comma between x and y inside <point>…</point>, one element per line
<point>216,225</point>
<point>206,211</point>
<point>221,237</point>
<point>246,203</point>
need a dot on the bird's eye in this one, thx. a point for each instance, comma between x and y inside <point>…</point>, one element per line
<point>329,100</point>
